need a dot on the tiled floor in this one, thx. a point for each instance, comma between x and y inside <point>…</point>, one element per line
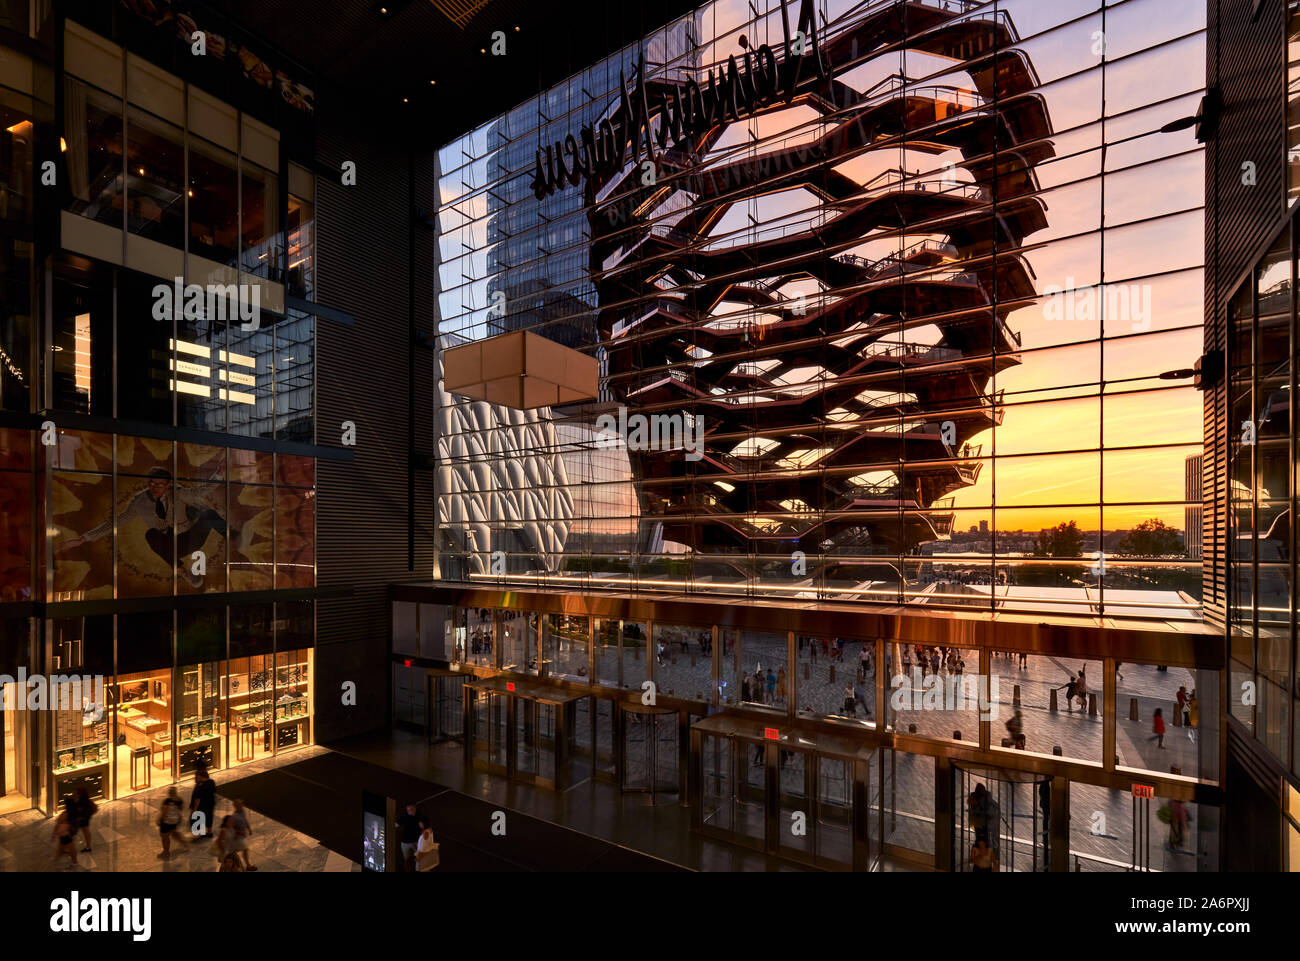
<point>125,836</point>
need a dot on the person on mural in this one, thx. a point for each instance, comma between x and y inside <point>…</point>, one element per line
<point>157,505</point>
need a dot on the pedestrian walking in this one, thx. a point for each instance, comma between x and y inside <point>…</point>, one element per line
<point>224,846</point>
<point>1158,726</point>
<point>780,683</point>
<point>86,809</point>
<point>169,819</point>
<point>850,703</point>
<point>860,697</point>
<point>65,832</point>
<point>1016,731</point>
<point>203,802</point>
<point>246,831</point>
<point>769,684</point>
<point>1071,690</point>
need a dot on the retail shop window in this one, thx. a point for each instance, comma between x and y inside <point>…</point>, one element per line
<point>94,158</point>
<point>141,721</point>
<point>292,699</point>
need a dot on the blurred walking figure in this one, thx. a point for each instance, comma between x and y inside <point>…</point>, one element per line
<point>241,821</point>
<point>169,819</point>
<point>65,830</point>
<point>850,703</point>
<point>86,809</point>
<point>977,807</point>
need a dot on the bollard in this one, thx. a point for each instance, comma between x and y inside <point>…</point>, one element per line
<point>956,735</point>
<point>1056,749</point>
<point>832,673</point>
<point>1015,697</point>
<point>911,729</point>
<point>1133,709</point>
<point>1092,705</point>
<point>807,672</point>
<point>1051,705</point>
<point>636,653</point>
<point>692,658</point>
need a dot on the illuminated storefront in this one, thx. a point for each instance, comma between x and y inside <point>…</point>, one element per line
<point>159,512</point>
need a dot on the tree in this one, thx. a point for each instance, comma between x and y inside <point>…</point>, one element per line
<point>1152,538</point>
<point>1063,540</point>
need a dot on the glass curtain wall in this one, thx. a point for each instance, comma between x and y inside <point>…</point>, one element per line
<point>861,389</point>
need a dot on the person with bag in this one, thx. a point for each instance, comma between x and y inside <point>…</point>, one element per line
<point>86,809</point>
<point>427,853</point>
<point>169,818</point>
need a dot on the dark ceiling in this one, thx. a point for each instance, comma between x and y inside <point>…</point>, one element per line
<point>373,60</point>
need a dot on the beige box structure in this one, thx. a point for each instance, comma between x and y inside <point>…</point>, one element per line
<point>520,370</point>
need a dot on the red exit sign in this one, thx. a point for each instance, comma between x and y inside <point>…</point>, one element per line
<point>1144,791</point>
<point>772,733</point>
<point>510,685</point>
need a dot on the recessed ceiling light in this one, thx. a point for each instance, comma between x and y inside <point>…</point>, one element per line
<point>384,11</point>
<point>433,83</point>
<point>404,100</point>
<point>516,29</point>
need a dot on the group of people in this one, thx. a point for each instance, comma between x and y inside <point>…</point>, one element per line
<point>766,688</point>
<point>415,832</point>
<point>229,840</point>
<point>1077,687</point>
<point>933,660</point>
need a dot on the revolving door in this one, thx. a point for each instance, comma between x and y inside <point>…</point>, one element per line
<point>1001,819</point>
<point>649,761</point>
<point>524,730</point>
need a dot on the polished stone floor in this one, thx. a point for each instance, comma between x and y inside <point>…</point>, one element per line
<point>125,835</point>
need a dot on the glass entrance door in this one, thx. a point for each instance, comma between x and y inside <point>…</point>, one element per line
<point>650,752</point>
<point>489,733</point>
<point>446,708</point>
<point>999,820</point>
<point>717,788</point>
<point>833,813</point>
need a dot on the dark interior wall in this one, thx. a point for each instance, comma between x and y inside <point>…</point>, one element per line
<point>1253,817</point>
<point>373,523</point>
<point>1246,60</point>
